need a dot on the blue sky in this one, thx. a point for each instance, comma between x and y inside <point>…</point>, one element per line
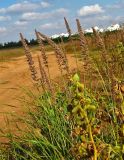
<point>47,16</point>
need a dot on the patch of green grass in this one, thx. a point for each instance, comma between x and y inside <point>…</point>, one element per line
<point>49,130</point>
<point>10,54</point>
<point>74,123</point>
<point>7,54</point>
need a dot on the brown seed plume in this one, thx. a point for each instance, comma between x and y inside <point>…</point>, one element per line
<point>109,67</point>
<point>29,59</point>
<point>44,78</point>
<point>63,48</point>
<point>62,62</point>
<point>68,28</point>
<point>42,49</point>
<point>72,42</point>
<point>83,42</point>
<point>100,44</point>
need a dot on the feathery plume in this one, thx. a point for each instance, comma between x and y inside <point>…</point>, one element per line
<point>109,68</point>
<point>68,28</point>
<point>58,52</point>
<point>83,42</point>
<point>44,79</point>
<point>70,38</point>
<point>42,49</point>
<point>100,44</point>
<point>29,59</point>
<point>64,51</point>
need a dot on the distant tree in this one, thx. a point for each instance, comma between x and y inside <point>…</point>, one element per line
<point>19,43</point>
<point>33,42</point>
<point>1,45</point>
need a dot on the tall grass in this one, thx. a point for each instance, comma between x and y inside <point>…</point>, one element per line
<point>83,118</point>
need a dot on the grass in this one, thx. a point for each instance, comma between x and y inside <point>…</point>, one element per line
<point>55,141</point>
<point>71,125</point>
<point>8,54</point>
<point>82,118</point>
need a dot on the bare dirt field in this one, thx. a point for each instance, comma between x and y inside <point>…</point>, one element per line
<point>14,75</point>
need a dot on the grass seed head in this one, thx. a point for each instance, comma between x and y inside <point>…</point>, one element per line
<point>29,59</point>
<point>44,78</point>
<point>42,49</point>
<point>83,42</point>
<point>68,27</point>
<point>100,44</point>
<point>62,61</point>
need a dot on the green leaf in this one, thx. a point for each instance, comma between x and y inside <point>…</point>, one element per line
<point>76,78</point>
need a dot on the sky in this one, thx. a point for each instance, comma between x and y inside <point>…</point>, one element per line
<point>47,16</point>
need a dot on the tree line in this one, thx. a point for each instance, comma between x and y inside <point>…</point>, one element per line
<point>56,40</point>
<point>16,44</point>
<point>32,42</point>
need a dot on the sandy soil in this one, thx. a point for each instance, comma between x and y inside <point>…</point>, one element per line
<point>15,74</point>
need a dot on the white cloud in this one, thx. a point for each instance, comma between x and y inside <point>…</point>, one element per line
<point>45,4</point>
<point>2,30</point>
<point>89,10</point>
<point>119,18</point>
<point>62,11</point>
<point>103,18</point>
<point>2,10</point>
<point>113,27</point>
<point>114,6</point>
<point>47,26</point>
<point>39,16</point>
<point>21,7</point>
<point>21,23</point>
<point>98,20</point>
<point>51,26</point>
<point>25,6</point>
<point>118,5</point>
<point>5,18</point>
<point>35,16</point>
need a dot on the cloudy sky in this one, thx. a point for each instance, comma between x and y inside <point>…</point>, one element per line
<point>47,16</point>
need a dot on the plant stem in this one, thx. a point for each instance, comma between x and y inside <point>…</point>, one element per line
<point>90,133</point>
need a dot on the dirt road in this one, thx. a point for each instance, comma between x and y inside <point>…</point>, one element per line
<point>15,74</point>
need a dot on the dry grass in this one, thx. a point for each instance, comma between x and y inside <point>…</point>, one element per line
<point>93,111</point>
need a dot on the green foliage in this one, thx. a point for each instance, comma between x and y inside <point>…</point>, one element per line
<point>95,136</point>
<point>74,124</point>
<point>78,123</point>
<point>120,47</point>
<point>49,131</point>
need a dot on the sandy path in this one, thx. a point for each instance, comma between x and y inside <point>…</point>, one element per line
<point>14,74</point>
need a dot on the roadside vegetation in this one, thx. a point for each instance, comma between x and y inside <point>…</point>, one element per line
<point>83,118</point>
